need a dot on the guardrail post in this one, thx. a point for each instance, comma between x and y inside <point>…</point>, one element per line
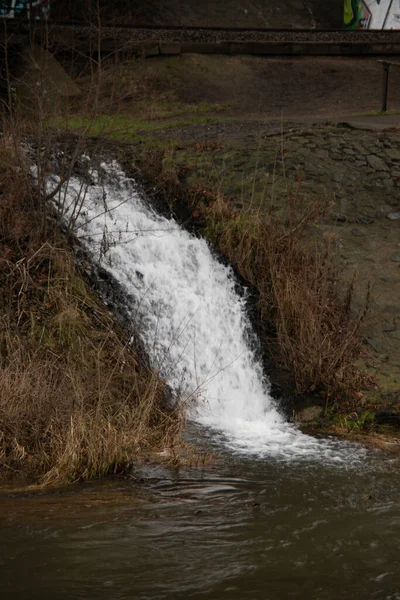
<point>385,85</point>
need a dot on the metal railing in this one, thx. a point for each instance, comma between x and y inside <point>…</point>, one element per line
<point>386,64</point>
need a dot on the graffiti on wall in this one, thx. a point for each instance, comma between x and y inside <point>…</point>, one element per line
<point>372,14</point>
<point>11,9</point>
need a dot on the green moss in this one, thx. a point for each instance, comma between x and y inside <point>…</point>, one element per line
<point>355,421</point>
<point>122,127</point>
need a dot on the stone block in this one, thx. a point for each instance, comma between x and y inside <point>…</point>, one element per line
<point>205,48</point>
<point>151,50</point>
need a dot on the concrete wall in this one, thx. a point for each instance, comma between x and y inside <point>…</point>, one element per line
<point>270,48</point>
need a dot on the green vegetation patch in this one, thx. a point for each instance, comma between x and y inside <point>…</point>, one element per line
<point>124,128</point>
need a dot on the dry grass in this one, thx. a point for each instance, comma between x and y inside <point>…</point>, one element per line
<point>313,333</point>
<point>77,400</point>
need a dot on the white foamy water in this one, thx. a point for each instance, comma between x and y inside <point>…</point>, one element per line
<point>192,321</point>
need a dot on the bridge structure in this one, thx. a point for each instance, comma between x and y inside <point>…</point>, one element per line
<point>132,27</point>
<point>153,41</point>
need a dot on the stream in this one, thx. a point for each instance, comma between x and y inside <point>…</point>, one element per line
<point>244,527</point>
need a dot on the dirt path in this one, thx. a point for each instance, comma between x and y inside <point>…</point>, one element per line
<point>277,88</point>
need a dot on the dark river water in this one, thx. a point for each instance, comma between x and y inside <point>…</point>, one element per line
<point>242,528</point>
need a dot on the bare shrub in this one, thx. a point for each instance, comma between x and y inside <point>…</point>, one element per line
<point>77,398</point>
<point>294,273</point>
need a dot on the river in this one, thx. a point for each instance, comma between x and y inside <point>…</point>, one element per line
<point>244,527</point>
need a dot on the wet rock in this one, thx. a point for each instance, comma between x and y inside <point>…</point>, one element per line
<point>393,216</point>
<point>309,414</point>
<point>363,220</point>
<point>393,153</point>
<point>376,163</point>
<point>387,417</point>
<point>395,257</point>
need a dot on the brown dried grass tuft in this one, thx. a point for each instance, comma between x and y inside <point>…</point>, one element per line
<point>294,272</point>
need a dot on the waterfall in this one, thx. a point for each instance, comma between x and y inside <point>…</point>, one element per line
<point>184,302</point>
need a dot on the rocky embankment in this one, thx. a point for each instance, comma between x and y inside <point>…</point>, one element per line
<point>357,172</point>
<point>362,171</point>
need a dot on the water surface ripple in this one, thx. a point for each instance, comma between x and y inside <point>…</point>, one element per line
<point>245,528</point>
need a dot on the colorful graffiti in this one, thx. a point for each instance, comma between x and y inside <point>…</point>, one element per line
<point>372,14</point>
<point>11,9</point>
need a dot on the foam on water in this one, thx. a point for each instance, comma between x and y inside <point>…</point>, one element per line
<point>192,320</point>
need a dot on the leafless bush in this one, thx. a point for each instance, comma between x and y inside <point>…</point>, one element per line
<point>313,332</point>
<point>77,399</point>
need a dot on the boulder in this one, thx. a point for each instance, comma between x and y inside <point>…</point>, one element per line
<point>310,413</point>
